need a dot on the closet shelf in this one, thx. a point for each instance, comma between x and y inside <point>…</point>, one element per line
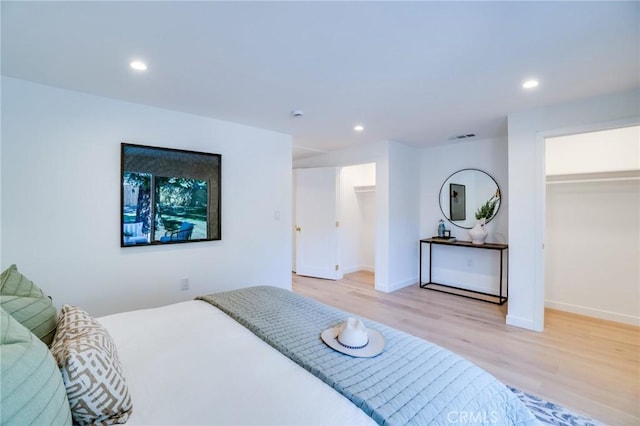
<point>594,177</point>
<point>365,188</point>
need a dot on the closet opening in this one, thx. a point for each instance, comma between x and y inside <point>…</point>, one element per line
<point>592,224</point>
<point>358,220</point>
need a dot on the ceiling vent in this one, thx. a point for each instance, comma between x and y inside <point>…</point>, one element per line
<point>465,136</point>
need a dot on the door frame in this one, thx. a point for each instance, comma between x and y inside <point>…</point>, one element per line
<point>377,258</point>
<point>540,202</point>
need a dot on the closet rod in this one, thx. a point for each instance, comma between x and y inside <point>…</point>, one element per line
<point>593,180</point>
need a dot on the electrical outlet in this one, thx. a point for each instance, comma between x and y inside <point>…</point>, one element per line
<point>184,284</point>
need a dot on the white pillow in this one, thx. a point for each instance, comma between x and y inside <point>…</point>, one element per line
<point>91,371</point>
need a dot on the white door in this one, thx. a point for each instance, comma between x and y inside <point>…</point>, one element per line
<point>317,223</point>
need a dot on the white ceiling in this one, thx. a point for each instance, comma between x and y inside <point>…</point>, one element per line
<point>413,72</point>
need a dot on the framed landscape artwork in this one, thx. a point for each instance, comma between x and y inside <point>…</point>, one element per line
<point>168,196</point>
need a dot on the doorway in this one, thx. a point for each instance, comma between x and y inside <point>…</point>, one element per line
<point>353,215</point>
<point>592,224</point>
<point>358,218</point>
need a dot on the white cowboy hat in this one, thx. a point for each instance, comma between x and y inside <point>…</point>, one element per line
<point>353,338</point>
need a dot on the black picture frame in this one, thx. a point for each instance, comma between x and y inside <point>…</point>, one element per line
<point>457,202</point>
<point>168,196</point>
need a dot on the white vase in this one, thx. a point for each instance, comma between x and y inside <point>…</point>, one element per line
<point>479,232</point>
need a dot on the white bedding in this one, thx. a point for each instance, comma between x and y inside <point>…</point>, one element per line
<point>190,364</point>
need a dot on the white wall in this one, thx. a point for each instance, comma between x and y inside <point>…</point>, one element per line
<point>477,270</point>
<point>61,201</point>
<point>1,174</point>
<point>439,162</point>
<point>527,131</point>
<point>357,218</point>
<point>367,201</point>
<point>592,249</point>
<point>612,150</point>
<point>404,216</point>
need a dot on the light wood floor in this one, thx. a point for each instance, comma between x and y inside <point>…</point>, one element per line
<point>588,365</point>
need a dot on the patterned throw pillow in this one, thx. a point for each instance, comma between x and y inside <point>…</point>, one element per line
<point>20,297</point>
<point>31,390</point>
<point>91,369</point>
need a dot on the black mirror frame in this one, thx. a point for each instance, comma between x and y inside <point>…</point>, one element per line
<point>445,182</point>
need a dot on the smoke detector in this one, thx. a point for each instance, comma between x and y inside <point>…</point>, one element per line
<point>297,113</point>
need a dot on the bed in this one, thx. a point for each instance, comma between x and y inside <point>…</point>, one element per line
<point>209,369</point>
<point>254,357</point>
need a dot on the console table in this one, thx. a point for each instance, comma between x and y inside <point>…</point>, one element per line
<point>499,299</point>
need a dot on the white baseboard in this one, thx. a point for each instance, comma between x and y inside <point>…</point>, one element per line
<point>350,269</point>
<point>521,322</point>
<point>398,285</point>
<point>592,312</point>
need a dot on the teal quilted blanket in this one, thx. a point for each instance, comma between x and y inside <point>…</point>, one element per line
<point>412,382</point>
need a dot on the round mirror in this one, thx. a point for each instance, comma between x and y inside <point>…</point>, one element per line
<point>468,195</point>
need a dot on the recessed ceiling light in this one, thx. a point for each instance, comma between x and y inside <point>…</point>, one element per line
<point>530,84</point>
<point>138,65</point>
<point>358,128</point>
